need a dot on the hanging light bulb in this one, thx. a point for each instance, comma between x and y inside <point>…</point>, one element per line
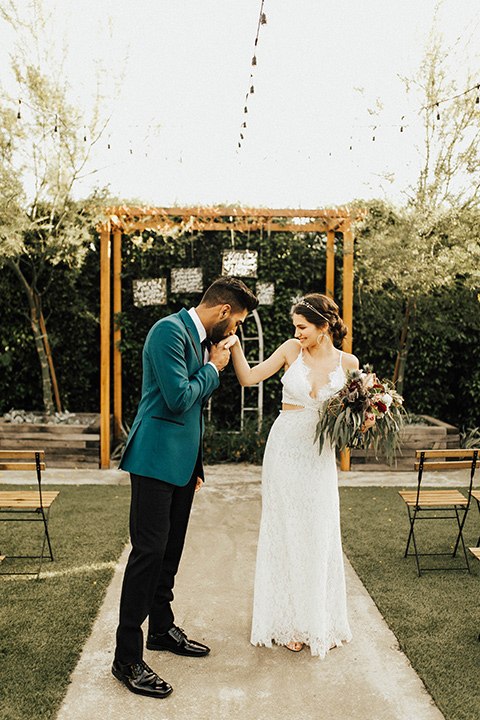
<point>252,90</point>
<point>19,114</point>
<point>438,112</point>
<point>254,60</point>
<point>263,19</point>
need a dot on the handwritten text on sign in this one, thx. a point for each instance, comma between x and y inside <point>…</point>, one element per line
<point>241,263</point>
<point>265,292</point>
<point>187,280</point>
<point>150,292</point>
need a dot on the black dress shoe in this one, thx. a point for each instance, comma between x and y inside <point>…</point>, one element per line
<point>177,642</point>
<point>141,679</point>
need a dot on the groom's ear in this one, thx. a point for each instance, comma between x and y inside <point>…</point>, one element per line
<point>225,311</point>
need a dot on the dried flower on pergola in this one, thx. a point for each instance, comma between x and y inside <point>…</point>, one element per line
<point>122,220</point>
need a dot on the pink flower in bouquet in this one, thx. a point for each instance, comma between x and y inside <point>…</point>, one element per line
<point>369,421</point>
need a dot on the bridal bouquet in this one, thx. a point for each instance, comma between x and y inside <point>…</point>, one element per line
<point>365,413</point>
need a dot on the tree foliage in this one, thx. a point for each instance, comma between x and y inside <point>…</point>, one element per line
<point>44,149</point>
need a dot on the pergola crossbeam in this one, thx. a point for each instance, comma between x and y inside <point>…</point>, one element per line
<point>129,226</point>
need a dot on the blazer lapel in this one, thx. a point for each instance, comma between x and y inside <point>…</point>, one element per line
<point>193,333</point>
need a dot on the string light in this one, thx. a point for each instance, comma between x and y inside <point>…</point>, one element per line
<point>262,20</point>
<point>57,121</point>
<point>449,99</point>
<point>402,126</point>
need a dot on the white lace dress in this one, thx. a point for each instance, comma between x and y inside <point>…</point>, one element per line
<point>299,578</point>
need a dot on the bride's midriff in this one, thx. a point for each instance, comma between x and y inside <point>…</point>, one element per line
<point>287,406</point>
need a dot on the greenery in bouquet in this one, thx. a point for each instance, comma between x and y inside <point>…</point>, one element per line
<point>365,413</point>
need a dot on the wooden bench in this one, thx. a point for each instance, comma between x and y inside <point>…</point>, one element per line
<point>27,505</point>
<point>432,504</point>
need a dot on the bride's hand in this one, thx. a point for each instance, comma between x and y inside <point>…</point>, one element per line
<point>228,342</point>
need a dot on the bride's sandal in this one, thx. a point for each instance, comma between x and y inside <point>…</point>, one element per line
<point>294,646</point>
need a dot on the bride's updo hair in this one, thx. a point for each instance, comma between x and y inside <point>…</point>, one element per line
<point>320,310</point>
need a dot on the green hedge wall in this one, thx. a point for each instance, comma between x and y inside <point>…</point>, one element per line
<point>442,375</point>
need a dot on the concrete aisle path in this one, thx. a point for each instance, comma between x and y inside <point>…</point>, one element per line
<point>368,679</point>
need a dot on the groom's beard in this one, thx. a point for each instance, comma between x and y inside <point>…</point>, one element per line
<point>219,331</point>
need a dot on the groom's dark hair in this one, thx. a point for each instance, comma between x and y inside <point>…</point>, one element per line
<point>231,291</point>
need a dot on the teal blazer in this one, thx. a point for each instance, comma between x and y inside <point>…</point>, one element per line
<point>167,431</point>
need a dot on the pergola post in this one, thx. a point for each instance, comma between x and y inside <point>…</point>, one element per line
<point>330,263</point>
<point>105,346</point>
<point>347,311</point>
<point>117,334</point>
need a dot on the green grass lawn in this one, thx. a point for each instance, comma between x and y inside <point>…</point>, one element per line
<point>436,617</point>
<point>44,623</point>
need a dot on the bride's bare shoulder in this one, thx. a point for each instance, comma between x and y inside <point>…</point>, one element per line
<point>291,349</point>
<point>349,362</point>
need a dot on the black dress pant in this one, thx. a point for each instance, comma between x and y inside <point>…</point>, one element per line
<point>159,516</point>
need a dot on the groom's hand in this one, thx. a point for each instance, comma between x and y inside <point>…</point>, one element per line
<point>219,356</point>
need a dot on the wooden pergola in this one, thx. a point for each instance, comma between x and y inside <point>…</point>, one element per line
<point>124,220</point>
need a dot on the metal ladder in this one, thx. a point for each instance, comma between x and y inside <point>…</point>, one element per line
<point>244,339</point>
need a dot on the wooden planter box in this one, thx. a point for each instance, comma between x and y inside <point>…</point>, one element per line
<point>66,446</point>
<point>436,435</point>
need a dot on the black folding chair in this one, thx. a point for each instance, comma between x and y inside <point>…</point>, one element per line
<point>440,504</point>
<point>26,505</point>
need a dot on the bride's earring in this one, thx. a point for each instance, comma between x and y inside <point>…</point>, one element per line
<point>322,335</point>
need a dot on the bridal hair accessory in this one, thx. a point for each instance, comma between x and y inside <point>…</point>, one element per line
<point>310,307</point>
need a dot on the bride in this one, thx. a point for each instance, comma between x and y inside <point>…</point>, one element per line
<point>300,594</point>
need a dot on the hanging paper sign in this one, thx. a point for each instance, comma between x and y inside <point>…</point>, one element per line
<point>265,293</point>
<point>241,263</point>
<point>150,292</point>
<point>187,280</point>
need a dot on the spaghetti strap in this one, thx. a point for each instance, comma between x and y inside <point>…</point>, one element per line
<point>340,359</point>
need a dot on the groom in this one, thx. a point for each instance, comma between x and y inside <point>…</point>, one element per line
<point>181,363</point>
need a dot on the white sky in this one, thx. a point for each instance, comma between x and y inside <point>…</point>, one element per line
<point>186,68</point>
